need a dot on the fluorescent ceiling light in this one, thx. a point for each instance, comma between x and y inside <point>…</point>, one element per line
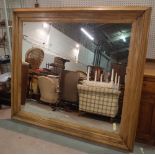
<point>87,34</point>
<point>123,38</point>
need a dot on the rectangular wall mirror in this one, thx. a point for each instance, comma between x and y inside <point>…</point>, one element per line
<point>79,71</point>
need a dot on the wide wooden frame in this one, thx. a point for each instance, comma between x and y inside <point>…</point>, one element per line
<point>140,19</point>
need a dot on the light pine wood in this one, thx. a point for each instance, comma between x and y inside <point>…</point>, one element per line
<point>84,15</point>
<point>135,71</point>
<point>73,129</point>
<point>139,17</point>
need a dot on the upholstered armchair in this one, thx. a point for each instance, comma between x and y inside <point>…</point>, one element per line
<point>49,89</point>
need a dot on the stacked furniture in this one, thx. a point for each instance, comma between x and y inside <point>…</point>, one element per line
<point>58,66</point>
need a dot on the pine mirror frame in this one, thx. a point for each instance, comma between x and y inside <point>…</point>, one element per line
<point>139,17</point>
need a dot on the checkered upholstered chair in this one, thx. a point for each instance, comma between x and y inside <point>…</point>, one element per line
<point>98,100</point>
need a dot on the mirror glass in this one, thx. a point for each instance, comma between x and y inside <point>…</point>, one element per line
<point>75,72</point>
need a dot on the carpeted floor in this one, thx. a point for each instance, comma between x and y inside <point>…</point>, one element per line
<point>19,137</point>
<point>91,121</point>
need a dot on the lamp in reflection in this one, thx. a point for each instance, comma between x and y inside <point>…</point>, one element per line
<point>77,45</point>
<point>76,52</point>
<point>45,25</point>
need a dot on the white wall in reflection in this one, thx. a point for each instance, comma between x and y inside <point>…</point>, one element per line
<point>55,43</point>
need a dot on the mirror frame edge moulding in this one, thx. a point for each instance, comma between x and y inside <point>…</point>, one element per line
<point>139,17</point>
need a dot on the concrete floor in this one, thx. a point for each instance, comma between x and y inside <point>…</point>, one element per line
<point>19,137</point>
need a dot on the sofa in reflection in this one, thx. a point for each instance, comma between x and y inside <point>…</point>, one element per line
<point>102,101</point>
<point>99,97</point>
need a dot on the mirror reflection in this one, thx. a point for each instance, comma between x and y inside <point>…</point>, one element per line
<point>75,72</point>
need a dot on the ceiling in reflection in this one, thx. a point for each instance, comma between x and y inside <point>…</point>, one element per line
<point>112,39</point>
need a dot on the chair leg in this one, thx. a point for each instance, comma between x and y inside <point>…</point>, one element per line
<point>112,120</point>
<point>55,106</point>
<point>81,113</point>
